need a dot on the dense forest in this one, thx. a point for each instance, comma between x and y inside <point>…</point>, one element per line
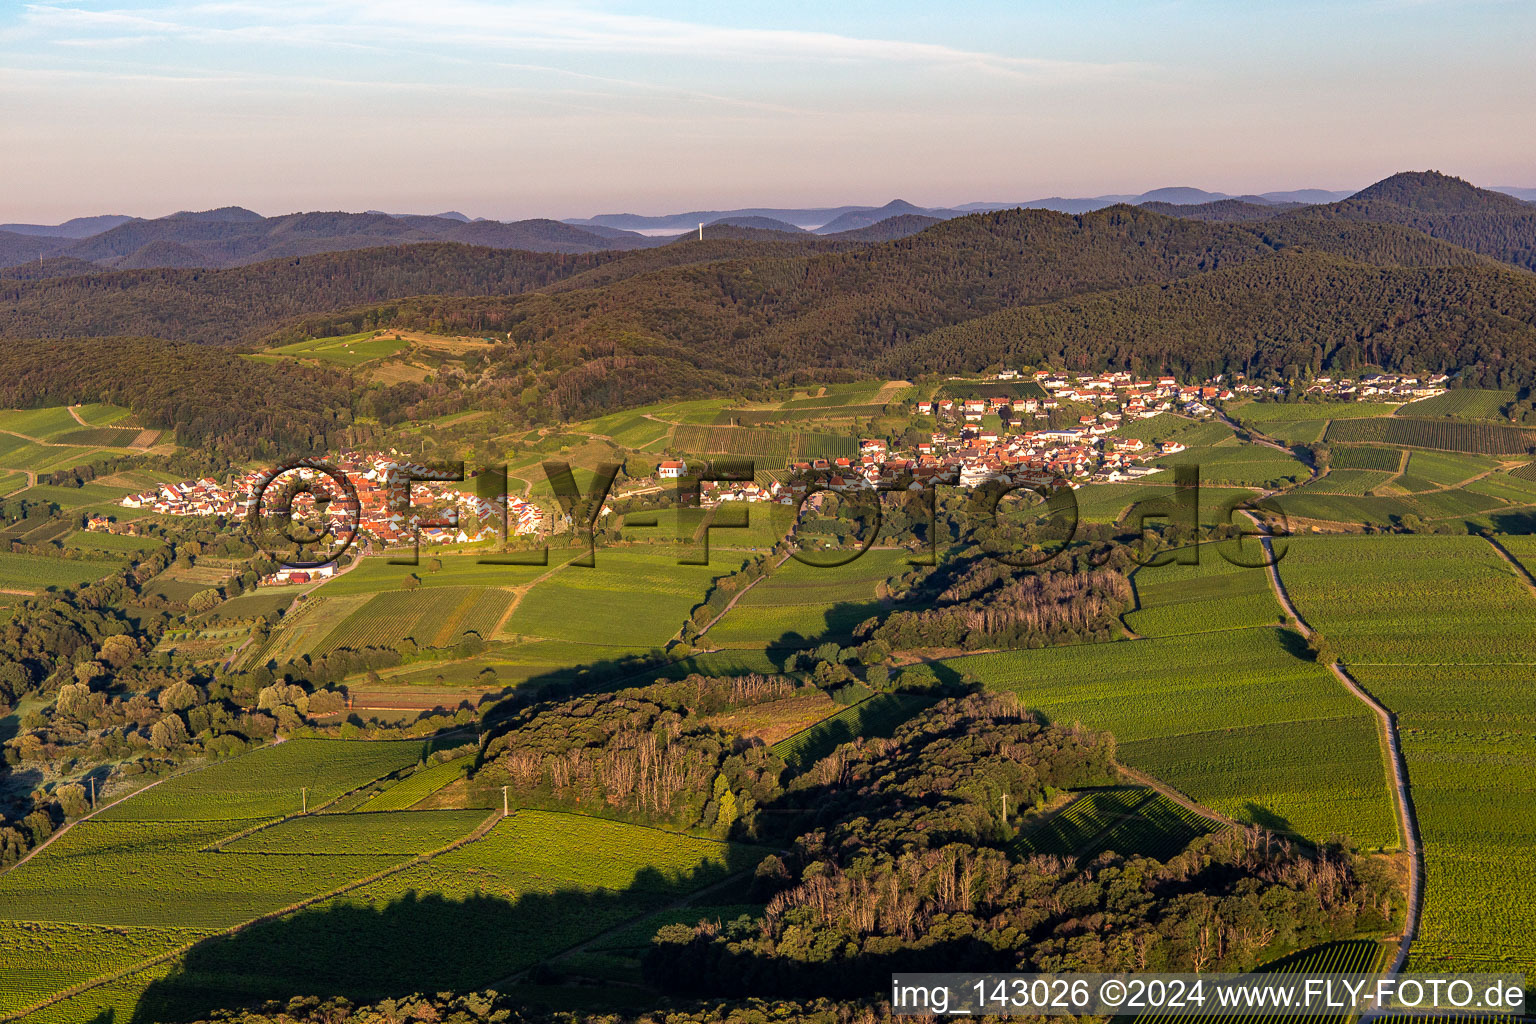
<point>902,866</point>
<point>1287,315</point>
<point>1320,288</point>
<point>213,399</point>
<point>1449,208</point>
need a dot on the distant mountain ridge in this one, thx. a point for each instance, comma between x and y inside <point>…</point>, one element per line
<point>1496,222</point>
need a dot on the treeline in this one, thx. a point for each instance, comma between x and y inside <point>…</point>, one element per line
<point>489,1007</point>
<point>992,604</point>
<point>211,398</point>
<point>905,869</point>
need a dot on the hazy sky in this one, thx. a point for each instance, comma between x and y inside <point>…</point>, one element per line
<point>509,109</point>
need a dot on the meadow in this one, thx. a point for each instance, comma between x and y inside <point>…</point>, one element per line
<point>1202,709</point>
<point>1443,633</point>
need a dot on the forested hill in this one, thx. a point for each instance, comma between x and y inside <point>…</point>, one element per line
<point>244,303</point>
<point>1286,314</point>
<point>214,400</point>
<point>1448,208</point>
<point>738,323</point>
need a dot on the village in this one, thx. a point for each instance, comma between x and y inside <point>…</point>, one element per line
<point>1007,438</point>
<point>386,485</point>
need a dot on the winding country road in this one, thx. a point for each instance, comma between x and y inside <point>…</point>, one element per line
<point>1408,822</point>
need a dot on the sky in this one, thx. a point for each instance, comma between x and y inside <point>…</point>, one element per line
<point>507,109</point>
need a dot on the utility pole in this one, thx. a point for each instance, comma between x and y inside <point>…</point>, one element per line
<point>701,238</point>
<point>93,792</point>
<point>504,811</point>
<point>303,799</point>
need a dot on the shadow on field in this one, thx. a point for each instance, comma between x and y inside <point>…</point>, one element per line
<point>1265,818</point>
<point>420,942</point>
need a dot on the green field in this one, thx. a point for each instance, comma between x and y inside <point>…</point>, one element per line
<point>1234,718</point>
<point>419,785</point>
<point>801,605</point>
<point>537,884</point>
<point>1462,403</point>
<point>265,783</point>
<point>32,573</point>
<point>1443,633</point>
<point>879,715</point>
<point>344,350</point>
<point>438,618</point>
<point>1444,434</point>
<point>630,598</point>
<point>1128,820</point>
<point>1213,594</point>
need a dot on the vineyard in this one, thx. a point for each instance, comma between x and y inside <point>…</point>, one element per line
<point>1446,435</point>
<point>436,618</point>
<point>1384,460</point>
<point>38,572</point>
<point>1213,594</point>
<point>1239,464</point>
<point>799,604</point>
<point>879,715</point>
<point>773,448</point>
<point>419,785</point>
<point>1462,403</point>
<point>40,958</point>
<point>1345,481</point>
<point>631,598</point>
<point>1355,956</point>
<point>1442,632</point>
<point>391,833</point>
<point>266,782</point>
<point>769,448</point>
<point>537,884</point>
<point>1238,719</point>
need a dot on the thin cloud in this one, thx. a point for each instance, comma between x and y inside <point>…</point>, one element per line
<point>476,25</point>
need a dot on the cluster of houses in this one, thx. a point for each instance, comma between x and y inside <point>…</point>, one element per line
<point>396,501</point>
<point>1380,387</point>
